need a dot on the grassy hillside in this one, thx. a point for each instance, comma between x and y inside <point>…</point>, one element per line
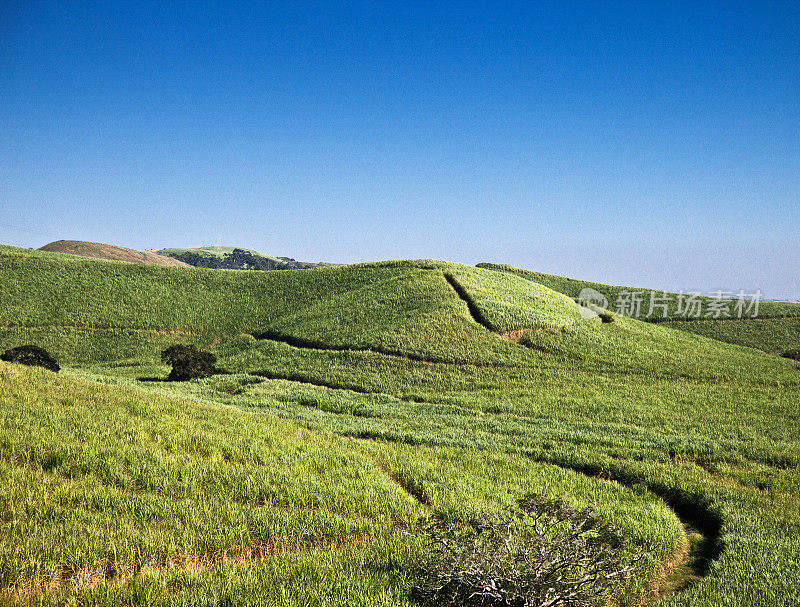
<point>357,400</point>
<point>158,488</point>
<point>773,335</point>
<point>107,251</point>
<point>775,330</point>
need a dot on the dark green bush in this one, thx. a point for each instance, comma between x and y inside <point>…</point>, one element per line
<point>607,317</point>
<point>31,355</point>
<point>188,362</point>
<point>537,552</point>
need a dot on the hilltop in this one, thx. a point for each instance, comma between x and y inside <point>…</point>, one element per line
<point>108,251</point>
<point>354,401</point>
<point>235,258</point>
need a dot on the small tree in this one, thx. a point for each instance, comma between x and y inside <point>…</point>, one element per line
<point>31,355</point>
<point>188,362</point>
<point>536,553</point>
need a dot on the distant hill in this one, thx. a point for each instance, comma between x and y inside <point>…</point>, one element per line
<point>211,251</point>
<point>108,251</point>
<point>235,258</point>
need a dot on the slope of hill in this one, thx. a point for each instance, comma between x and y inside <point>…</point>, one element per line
<point>234,258</point>
<point>357,399</point>
<point>107,251</point>
<point>775,329</point>
<point>773,335</point>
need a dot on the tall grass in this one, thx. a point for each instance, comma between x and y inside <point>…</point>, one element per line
<point>375,399</point>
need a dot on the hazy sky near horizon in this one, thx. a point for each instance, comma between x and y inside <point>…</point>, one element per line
<point>640,143</point>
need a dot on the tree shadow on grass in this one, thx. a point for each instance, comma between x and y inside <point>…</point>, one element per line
<point>168,380</point>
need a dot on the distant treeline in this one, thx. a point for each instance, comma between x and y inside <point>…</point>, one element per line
<point>239,259</point>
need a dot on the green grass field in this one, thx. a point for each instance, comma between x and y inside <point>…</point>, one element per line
<point>357,401</point>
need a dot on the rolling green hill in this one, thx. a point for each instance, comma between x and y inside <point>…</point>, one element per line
<point>773,335</point>
<point>775,329</point>
<point>356,400</point>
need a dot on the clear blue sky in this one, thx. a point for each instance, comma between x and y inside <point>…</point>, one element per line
<point>653,144</point>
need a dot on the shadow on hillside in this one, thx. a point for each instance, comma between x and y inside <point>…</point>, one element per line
<point>152,379</point>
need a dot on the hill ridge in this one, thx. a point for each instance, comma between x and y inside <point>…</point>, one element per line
<point>98,250</point>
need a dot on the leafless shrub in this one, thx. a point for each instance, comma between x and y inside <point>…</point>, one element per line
<point>536,553</point>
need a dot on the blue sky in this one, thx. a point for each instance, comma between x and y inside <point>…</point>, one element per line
<point>651,144</point>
